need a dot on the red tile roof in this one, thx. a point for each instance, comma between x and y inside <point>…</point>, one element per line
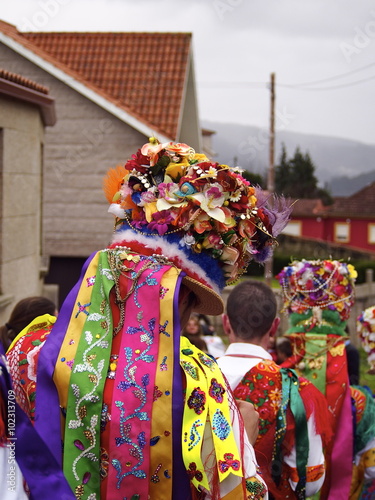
<point>308,207</point>
<point>21,80</point>
<point>359,204</point>
<point>15,86</point>
<point>142,73</point>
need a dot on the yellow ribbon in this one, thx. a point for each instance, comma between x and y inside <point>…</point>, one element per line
<point>69,346</point>
<point>202,376</point>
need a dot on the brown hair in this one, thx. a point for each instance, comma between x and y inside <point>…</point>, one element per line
<point>23,313</point>
<point>251,309</point>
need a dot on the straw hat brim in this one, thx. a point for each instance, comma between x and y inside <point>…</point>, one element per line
<point>208,301</point>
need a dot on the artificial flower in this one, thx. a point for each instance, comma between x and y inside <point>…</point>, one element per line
<point>229,255</point>
<point>246,228</point>
<point>202,223</point>
<point>324,284</point>
<point>213,240</point>
<point>152,150</point>
<point>168,189</point>
<point>228,222</point>
<point>148,196</point>
<point>160,221</point>
<point>211,201</point>
<point>177,170</point>
<point>352,272</point>
<point>138,162</point>
<point>179,148</point>
<point>116,210</point>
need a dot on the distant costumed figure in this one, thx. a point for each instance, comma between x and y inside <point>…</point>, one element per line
<point>144,413</point>
<point>318,296</point>
<point>366,333</point>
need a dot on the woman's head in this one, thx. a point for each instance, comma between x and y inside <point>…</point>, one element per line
<point>193,326</point>
<point>23,313</point>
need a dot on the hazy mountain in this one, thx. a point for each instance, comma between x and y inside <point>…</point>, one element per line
<point>342,165</point>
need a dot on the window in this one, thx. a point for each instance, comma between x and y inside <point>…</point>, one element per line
<point>342,232</point>
<point>293,228</point>
<point>371,233</point>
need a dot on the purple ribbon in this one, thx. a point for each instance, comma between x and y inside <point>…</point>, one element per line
<point>342,453</point>
<point>42,473</point>
<point>47,405</point>
<point>181,483</point>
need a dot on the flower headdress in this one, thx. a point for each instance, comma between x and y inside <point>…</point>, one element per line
<point>366,332</point>
<point>202,216</point>
<point>325,285</point>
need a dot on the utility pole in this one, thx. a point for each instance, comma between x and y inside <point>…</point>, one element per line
<point>271,169</point>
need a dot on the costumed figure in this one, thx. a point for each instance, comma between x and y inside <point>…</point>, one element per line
<point>318,296</point>
<point>28,470</point>
<point>294,424</point>
<point>144,413</point>
<point>366,333</point>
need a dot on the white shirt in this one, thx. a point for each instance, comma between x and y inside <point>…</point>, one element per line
<point>235,367</point>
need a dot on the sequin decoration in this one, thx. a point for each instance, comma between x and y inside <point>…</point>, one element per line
<point>157,393</point>
<point>216,391</point>
<point>229,463</point>
<point>90,280</point>
<point>194,435</point>
<point>104,463</point>
<point>163,364</point>
<point>197,401</point>
<point>155,478</point>
<point>220,425</point>
<point>193,472</point>
<point>256,489</point>
<point>207,360</point>
<point>82,308</point>
<point>190,370</point>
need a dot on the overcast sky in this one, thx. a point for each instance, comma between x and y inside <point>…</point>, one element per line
<point>237,44</point>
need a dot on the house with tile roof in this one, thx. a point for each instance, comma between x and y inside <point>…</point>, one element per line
<point>26,109</point>
<point>349,222</point>
<point>112,92</point>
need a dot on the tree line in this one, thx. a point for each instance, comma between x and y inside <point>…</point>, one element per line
<point>294,177</point>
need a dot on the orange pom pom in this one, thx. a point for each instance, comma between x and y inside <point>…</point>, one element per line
<point>112,182</point>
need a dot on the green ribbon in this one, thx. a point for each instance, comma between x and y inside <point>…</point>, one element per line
<point>331,323</point>
<point>85,393</point>
<point>315,360</point>
<point>292,397</point>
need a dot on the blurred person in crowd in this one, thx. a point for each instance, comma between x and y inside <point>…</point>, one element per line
<point>283,349</point>
<point>194,333</point>
<point>22,314</point>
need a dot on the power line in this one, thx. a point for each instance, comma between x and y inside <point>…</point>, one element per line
<point>297,86</point>
<point>331,78</point>
<point>332,87</point>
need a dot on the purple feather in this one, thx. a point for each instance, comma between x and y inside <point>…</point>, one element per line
<point>277,208</point>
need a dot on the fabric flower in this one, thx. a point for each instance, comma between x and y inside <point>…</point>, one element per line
<point>208,207</point>
<point>169,196</point>
<point>116,210</point>
<point>202,223</point>
<point>139,162</point>
<point>211,200</point>
<point>152,150</point>
<point>32,357</point>
<point>160,222</point>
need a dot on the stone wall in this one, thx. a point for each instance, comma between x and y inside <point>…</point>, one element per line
<point>21,136</point>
